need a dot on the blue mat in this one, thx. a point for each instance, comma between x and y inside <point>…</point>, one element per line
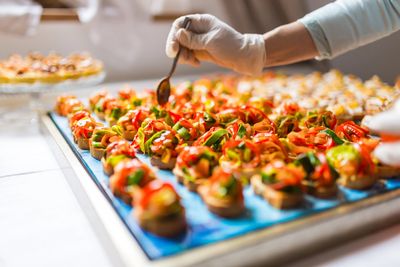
<point>204,227</point>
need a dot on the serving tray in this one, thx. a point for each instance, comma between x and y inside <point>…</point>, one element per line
<point>261,234</point>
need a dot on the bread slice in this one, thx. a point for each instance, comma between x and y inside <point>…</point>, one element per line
<point>257,185</point>
<point>83,143</point>
<point>96,153</point>
<point>385,171</point>
<point>226,209</point>
<point>107,168</point>
<point>324,192</point>
<point>156,161</point>
<point>282,200</point>
<point>128,135</point>
<point>167,227</point>
<point>357,182</point>
<point>125,197</point>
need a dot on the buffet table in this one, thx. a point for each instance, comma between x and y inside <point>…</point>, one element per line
<point>66,230</point>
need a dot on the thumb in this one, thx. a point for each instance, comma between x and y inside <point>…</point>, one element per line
<point>191,40</point>
<point>385,122</point>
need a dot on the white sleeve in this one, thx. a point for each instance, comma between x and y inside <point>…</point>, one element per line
<point>347,24</point>
<point>19,16</point>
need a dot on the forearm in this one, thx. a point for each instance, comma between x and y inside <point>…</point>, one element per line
<point>288,44</point>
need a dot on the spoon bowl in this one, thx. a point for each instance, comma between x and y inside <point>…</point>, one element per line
<point>163,91</point>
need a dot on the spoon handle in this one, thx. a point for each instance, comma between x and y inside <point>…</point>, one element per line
<point>186,25</point>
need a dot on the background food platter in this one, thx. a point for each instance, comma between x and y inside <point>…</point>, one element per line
<point>38,87</point>
<point>209,231</point>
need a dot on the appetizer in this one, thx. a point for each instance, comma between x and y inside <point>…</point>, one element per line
<point>168,116</point>
<point>127,95</point>
<point>354,164</point>
<point>280,184</point>
<point>95,98</point>
<point>320,180</point>
<point>270,148</point>
<point>246,114</point>
<point>253,115</point>
<point>285,124</point>
<point>223,194</point>
<point>129,176</point>
<point>317,138</point>
<point>369,144</point>
<point>68,104</point>
<point>264,126</point>
<point>102,105</point>
<point>240,157</point>
<point>186,130</point>
<point>49,69</point>
<point>113,111</point>
<point>73,118</point>
<point>158,209</point>
<point>215,138</point>
<point>82,131</point>
<point>228,116</point>
<point>319,118</point>
<point>131,122</point>
<point>148,128</point>
<point>204,120</point>
<point>194,165</point>
<point>163,148</point>
<point>240,130</point>
<point>115,153</point>
<point>101,138</point>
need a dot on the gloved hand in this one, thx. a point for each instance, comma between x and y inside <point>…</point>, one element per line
<point>209,39</point>
<point>388,123</point>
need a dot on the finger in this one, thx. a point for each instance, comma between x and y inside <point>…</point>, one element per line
<point>388,153</point>
<point>385,122</point>
<point>188,57</point>
<point>199,24</point>
<point>172,44</point>
<point>171,48</point>
<point>203,55</point>
<point>192,40</point>
<point>396,105</point>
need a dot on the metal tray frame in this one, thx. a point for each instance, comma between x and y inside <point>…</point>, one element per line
<point>274,245</point>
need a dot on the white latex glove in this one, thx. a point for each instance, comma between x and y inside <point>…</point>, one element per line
<point>209,39</point>
<point>387,122</point>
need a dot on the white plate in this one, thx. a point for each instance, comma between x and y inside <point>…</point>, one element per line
<point>38,87</point>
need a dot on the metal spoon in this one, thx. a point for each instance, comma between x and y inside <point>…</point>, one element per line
<point>164,87</point>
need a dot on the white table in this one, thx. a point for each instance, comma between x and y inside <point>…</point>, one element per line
<point>42,223</point>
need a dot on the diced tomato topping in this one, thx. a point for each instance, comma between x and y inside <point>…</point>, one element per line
<point>351,131</point>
